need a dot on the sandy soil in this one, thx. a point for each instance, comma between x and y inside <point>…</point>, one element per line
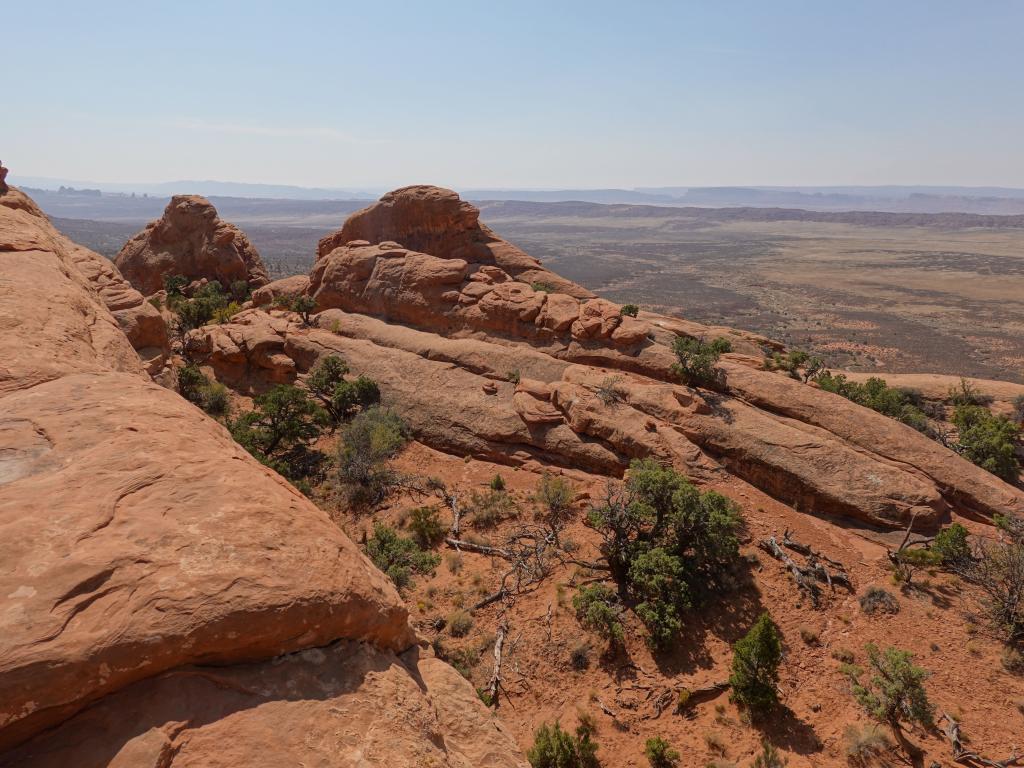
<point>967,678</point>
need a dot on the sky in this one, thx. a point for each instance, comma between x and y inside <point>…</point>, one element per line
<point>516,94</point>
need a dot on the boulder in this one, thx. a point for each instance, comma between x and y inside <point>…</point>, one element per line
<point>247,353</point>
<point>190,240</point>
<point>286,287</point>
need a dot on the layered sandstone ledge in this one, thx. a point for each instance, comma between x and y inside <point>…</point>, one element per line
<point>483,359</point>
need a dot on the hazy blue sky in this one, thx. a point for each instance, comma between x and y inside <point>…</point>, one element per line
<point>525,94</point>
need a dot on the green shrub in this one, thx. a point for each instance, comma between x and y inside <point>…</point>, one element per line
<point>988,440</point>
<point>795,361</point>
<point>668,545</point>
<point>597,609</point>
<point>240,291</point>
<point>497,483</point>
<point>696,359</point>
<point>490,508</point>
<point>542,287</point>
<point>215,399</point>
<point>755,666</point>
<point>629,310</point>
<point>280,430</point>
<point>951,546</point>
<point>352,396</point>
<point>397,556</point>
<point>190,382</point>
<point>224,314</point>
<point>367,442</point>
<point>965,393</point>
<point>174,285</point>
<point>325,376</point>
<point>555,496</point>
<point>427,530</point>
<point>196,387</point>
<point>207,303</point>
<point>303,305</point>
<point>907,562</point>
<point>895,692</point>
<point>660,754</point>
<point>878,396</point>
<point>513,376</point>
<point>555,748</point>
<point>341,398</point>
<point>656,579</point>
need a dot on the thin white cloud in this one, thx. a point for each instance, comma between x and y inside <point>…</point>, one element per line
<point>275,131</point>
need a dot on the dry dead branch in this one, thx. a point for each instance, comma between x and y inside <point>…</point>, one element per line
<point>965,757</point>
<point>494,687</point>
<point>816,568</point>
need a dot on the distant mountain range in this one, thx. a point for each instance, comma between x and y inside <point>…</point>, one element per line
<point>896,199</point>
<point>205,188</point>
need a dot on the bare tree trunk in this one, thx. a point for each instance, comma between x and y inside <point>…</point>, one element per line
<point>494,686</point>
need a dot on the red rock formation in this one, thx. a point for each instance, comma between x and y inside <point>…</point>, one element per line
<point>247,353</point>
<point>141,541</point>
<point>3,179</point>
<point>435,221</point>
<point>816,451</point>
<point>26,233</point>
<point>190,240</point>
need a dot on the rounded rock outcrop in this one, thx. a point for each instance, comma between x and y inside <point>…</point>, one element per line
<point>190,239</point>
<point>435,220</point>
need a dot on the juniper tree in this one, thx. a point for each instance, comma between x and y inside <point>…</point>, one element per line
<point>894,694</point>
<point>755,666</point>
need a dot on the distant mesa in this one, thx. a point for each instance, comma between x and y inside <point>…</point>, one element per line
<point>190,239</point>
